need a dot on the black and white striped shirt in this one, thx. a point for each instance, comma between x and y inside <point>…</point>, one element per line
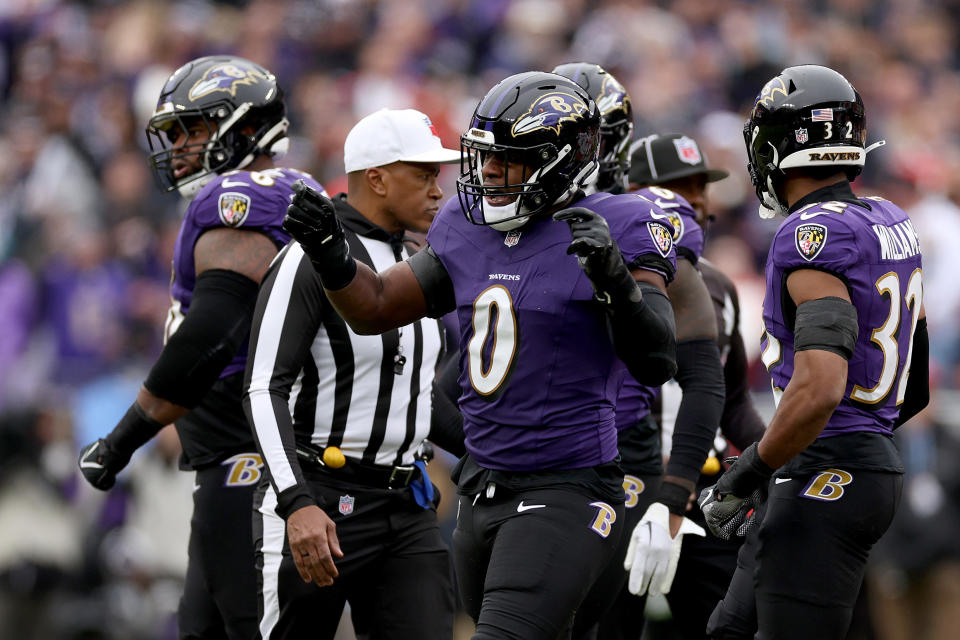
<point>311,379</point>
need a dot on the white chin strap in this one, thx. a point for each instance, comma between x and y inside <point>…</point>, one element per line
<point>193,187</point>
<point>508,211</point>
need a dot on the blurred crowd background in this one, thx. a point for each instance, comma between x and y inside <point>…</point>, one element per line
<point>86,238</point>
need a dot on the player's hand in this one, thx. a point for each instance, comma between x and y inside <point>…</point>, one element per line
<point>652,554</point>
<point>595,248</point>
<point>313,544</point>
<point>100,464</point>
<point>730,506</point>
<point>312,221</point>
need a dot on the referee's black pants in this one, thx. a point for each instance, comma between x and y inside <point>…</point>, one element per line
<point>395,571</point>
<point>799,573</point>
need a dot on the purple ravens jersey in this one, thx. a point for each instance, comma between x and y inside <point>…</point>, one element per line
<point>249,200</point>
<point>873,247</point>
<point>539,377</point>
<point>635,399</point>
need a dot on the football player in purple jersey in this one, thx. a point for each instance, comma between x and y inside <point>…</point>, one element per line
<point>219,123</point>
<point>546,338</point>
<point>655,503</point>
<point>846,346</point>
<point>675,163</point>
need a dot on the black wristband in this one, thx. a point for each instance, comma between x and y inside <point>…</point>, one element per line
<point>133,431</point>
<point>746,475</point>
<point>674,496</point>
<point>294,498</point>
<point>338,273</point>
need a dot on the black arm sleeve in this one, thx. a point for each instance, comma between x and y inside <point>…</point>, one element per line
<point>740,423</point>
<point>700,375</point>
<point>918,384</point>
<point>446,421</point>
<point>645,335</point>
<point>215,326</point>
<point>434,280</point>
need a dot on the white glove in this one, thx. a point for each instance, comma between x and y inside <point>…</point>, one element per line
<point>652,554</point>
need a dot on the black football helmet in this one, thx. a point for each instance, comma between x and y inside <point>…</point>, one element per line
<point>543,121</point>
<point>616,121</point>
<point>239,102</point>
<point>808,116</point>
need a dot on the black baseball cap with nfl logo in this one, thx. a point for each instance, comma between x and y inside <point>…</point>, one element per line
<point>661,158</point>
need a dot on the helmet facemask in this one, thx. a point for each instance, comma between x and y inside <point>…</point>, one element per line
<point>537,192</point>
<point>614,156</point>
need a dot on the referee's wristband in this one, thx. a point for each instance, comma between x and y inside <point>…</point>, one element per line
<point>294,498</point>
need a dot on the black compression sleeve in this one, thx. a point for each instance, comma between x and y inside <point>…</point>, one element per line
<point>700,375</point>
<point>918,383</point>
<point>645,335</point>
<point>434,280</point>
<point>740,423</point>
<point>446,421</point>
<point>215,326</point>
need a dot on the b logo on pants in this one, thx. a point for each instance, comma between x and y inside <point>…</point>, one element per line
<point>245,470</point>
<point>632,488</point>
<point>827,485</point>
<point>606,516</point>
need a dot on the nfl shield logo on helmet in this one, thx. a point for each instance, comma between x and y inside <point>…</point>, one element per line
<point>233,208</point>
<point>802,136</point>
<point>662,237</point>
<point>346,504</point>
<point>810,240</point>
<point>687,150</point>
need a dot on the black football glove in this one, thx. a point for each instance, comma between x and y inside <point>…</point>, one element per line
<point>101,461</point>
<point>730,506</point>
<point>100,464</point>
<point>312,221</point>
<point>598,254</point>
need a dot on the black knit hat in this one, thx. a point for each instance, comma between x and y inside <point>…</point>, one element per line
<point>657,159</point>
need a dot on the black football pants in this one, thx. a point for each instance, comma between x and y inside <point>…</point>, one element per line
<point>525,559</point>
<point>799,573</point>
<point>220,592</point>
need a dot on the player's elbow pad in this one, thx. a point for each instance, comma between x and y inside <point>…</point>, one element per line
<point>645,336</point>
<point>216,325</point>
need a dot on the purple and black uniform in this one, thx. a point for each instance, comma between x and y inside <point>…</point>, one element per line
<point>800,571</point>
<point>876,252</point>
<point>638,442</point>
<point>635,400</point>
<point>539,375</point>
<point>220,589</point>
<point>539,380</point>
<point>251,201</point>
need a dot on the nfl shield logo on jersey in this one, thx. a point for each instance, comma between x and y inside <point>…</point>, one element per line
<point>512,238</point>
<point>233,208</point>
<point>810,240</point>
<point>346,504</point>
<point>802,135</point>
<point>687,150</point>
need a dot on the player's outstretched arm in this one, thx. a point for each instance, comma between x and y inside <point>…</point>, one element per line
<point>229,265</point>
<point>371,303</point>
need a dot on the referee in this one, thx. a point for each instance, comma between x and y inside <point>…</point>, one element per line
<point>348,513</point>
